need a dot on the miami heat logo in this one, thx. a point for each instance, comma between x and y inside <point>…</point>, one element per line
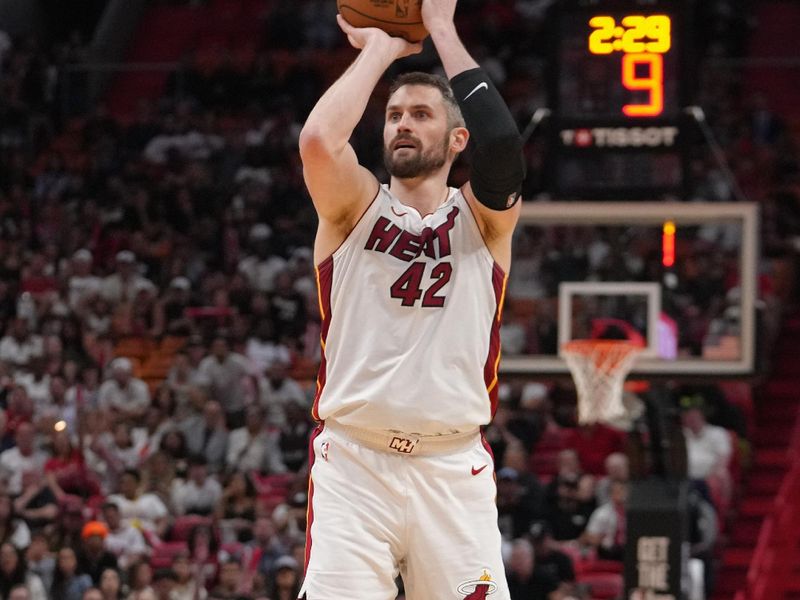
<point>478,589</point>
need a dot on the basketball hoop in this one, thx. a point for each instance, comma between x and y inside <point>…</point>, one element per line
<point>599,368</point>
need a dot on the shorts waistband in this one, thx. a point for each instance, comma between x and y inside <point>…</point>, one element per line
<point>406,443</point>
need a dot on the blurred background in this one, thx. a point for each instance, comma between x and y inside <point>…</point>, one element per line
<point>160,324</point>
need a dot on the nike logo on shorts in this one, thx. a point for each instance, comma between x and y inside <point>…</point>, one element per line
<point>482,84</point>
<point>476,471</point>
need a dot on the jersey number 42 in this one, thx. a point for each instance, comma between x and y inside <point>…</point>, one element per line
<point>408,286</point>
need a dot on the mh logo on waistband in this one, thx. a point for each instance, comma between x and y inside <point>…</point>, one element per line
<point>402,445</point>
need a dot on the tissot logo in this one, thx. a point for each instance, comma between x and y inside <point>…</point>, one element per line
<point>620,137</point>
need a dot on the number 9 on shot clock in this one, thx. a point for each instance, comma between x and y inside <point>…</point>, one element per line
<point>620,77</point>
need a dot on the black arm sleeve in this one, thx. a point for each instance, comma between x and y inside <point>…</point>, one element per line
<point>498,166</point>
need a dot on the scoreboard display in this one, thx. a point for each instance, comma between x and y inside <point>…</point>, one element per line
<point>618,86</point>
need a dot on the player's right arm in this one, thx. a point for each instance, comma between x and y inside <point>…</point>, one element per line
<point>340,188</point>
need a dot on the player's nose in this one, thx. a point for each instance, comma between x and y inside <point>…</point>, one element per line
<point>404,124</point>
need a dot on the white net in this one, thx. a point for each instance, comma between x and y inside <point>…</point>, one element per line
<point>599,368</point>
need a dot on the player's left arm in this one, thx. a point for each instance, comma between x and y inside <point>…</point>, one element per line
<point>498,166</point>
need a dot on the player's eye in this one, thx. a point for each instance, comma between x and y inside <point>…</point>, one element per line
<point>420,114</point>
<point>394,117</point>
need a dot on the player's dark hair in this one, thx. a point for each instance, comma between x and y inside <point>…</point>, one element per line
<point>454,117</point>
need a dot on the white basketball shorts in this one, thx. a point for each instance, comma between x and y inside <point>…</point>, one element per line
<point>383,504</point>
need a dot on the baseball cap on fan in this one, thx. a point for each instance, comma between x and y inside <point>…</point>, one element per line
<point>180,283</point>
<point>260,231</point>
<point>125,256</point>
<point>82,255</point>
<point>285,562</point>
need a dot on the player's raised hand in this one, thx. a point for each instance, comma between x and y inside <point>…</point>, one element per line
<point>436,13</point>
<point>360,37</point>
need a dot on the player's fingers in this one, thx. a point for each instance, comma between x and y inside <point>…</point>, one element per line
<point>344,25</point>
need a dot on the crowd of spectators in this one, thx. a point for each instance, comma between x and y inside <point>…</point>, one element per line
<point>185,234</point>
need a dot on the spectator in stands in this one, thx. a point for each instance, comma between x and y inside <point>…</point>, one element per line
<point>606,530</point>
<point>187,587</point>
<point>37,504</point>
<point>22,458</point>
<point>288,307</point>
<point>263,349</point>
<point>68,583</point>
<point>123,540</point>
<point>93,558</point>
<point>40,560</point>
<point>203,552</point>
<point>36,382</point>
<point>703,534</point>
<point>263,265</point>
<point>278,391</point>
<point>14,572</point>
<point>252,447</point>
<point>525,579</point>
<point>19,345</point>
<point>6,439</point>
<point>236,510</point>
<point>173,445</point>
<point>206,434</point>
<point>616,465</point>
<point>294,435</point>
<point>12,529</point>
<point>169,313</point>
<point>143,510</point>
<point>66,472</point>
<point>229,585</point>
<point>164,581</point>
<point>92,593</point>
<point>124,394</point>
<point>225,372</point>
<point>125,283</point>
<point>570,498</point>
<point>140,580</point>
<point>115,451</point>
<point>266,544</point>
<point>517,505</point>
<point>111,585</point>
<point>69,524</point>
<point>550,559</point>
<point>285,581</point>
<point>594,443</point>
<point>708,447</point>
<point>198,494</point>
<point>182,380</point>
<point>568,469</point>
<point>81,285</point>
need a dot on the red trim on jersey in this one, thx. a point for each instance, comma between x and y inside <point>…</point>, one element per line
<point>330,256</point>
<point>324,282</point>
<point>493,359</point>
<point>310,506</point>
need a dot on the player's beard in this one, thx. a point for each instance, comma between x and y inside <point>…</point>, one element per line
<point>420,163</point>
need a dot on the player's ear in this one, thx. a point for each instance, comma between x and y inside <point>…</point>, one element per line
<point>459,136</point>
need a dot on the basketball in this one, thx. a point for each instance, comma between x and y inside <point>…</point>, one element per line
<point>399,18</point>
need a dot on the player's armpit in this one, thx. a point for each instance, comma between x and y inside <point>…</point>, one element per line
<point>493,224</point>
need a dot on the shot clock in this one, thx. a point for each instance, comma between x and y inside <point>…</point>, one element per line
<point>619,82</point>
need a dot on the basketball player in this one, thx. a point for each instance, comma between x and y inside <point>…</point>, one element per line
<point>411,279</point>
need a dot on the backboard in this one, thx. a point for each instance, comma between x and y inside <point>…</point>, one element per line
<point>579,268</point>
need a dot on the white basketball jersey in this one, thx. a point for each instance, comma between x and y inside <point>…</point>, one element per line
<point>411,310</point>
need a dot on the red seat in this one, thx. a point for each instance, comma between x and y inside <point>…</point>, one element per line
<point>183,525</point>
<point>603,586</point>
<point>163,555</point>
